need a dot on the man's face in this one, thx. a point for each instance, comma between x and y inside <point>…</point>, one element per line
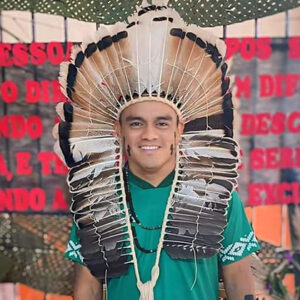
<point>150,132</point>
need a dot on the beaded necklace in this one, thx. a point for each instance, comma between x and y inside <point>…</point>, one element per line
<point>133,217</point>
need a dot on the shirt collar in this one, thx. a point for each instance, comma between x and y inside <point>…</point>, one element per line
<point>146,185</point>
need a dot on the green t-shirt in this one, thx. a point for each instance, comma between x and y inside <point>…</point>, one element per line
<point>176,277</point>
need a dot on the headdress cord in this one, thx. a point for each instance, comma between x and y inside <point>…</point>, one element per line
<point>147,288</point>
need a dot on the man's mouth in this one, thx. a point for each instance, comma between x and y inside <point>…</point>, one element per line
<point>149,147</point>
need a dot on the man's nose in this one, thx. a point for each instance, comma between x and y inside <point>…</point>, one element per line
<point>149,133</point>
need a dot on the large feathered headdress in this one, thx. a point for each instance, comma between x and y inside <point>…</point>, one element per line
<point>156,57</point>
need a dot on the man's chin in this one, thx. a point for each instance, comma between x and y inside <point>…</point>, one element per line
<point>151,165</point>
<point>148,165</point>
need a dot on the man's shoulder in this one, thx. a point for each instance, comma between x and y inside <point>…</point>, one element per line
<point>73,248</point>
<point>234,204</point>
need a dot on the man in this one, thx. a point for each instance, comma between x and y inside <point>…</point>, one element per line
<point>148,129</point>
<point>156,226</point>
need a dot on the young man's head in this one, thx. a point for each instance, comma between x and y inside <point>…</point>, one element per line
<point>150,131</point>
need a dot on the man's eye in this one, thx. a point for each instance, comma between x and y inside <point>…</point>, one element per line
<point>162,124</point>
<point>135,124</point>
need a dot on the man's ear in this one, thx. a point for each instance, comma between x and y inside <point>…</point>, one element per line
<point>180,129</point>
<point>118,129</point>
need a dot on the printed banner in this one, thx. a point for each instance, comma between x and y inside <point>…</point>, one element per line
<point>266,89</point>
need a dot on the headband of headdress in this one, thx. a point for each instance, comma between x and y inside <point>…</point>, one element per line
<point>153,57</point>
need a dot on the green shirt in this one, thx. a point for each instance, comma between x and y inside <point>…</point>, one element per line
<point>176,276</point>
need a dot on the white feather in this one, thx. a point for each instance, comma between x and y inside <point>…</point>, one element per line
<point>81,146</point>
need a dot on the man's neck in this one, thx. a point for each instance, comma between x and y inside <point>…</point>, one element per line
<point>154,177</point>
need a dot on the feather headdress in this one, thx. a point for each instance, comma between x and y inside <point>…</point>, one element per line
<point>155,57</point>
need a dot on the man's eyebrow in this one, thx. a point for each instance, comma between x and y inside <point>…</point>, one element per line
<point>132,117</point>
<point>165,118</point>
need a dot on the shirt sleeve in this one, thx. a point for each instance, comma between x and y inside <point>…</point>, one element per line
<point>73,249</point>
<point>239,239</point>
